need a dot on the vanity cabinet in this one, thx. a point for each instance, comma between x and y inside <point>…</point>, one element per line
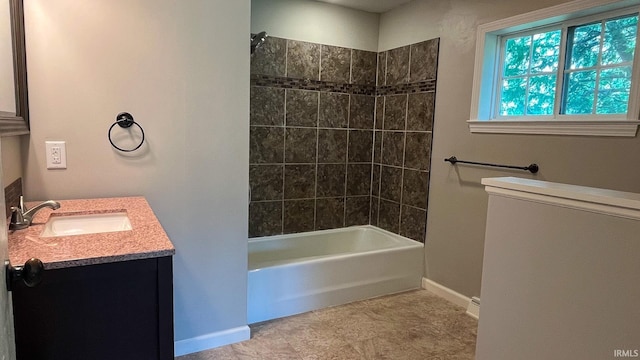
<point>118,310</point>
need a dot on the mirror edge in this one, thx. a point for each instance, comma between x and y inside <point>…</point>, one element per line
<point>18,124</point>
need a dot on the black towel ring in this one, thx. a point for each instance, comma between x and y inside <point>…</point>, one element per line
<point>125,120</point>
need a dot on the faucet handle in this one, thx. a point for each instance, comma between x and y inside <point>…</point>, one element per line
<point>17,219</point>
<point>23,208</point>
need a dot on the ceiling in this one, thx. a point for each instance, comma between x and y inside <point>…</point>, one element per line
<point>376,6</point>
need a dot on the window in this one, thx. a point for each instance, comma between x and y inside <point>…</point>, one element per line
<point>597,75</point>
<point>529,74</point>
<point>574,76</point>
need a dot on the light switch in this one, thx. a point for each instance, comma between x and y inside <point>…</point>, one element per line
<point>56,154</point>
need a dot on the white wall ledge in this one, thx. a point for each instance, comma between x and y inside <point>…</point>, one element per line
<point>610,202</point>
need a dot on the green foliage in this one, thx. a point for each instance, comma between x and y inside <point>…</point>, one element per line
<point>529,77</point>
<point>516,60</point>
<point>613,93</point>
<point>620,40</point>
<point>580,96</point>
<point>598,71</point>
<point>542,94</point>
<point>584,42</point>
<point>513,94</point>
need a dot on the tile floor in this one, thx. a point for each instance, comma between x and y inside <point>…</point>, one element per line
<point>412,325</point>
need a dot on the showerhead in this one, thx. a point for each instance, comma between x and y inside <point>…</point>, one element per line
<point>257,40</point>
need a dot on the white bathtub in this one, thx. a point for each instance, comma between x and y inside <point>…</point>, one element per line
<point>291,274</point>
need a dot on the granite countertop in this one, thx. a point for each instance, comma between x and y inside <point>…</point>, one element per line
<point>147,238</point>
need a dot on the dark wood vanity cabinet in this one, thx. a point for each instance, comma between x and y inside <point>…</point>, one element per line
<point>121,310</point>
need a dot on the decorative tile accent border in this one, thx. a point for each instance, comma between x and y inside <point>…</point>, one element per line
<point>307,84</point>
<point>354,89</point>
<point>422,86</point>
<point>12,195</point>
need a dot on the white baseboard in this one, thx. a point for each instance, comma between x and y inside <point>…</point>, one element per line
<point>473,309</point>
<point>212,340</point>
<point>451,296</point>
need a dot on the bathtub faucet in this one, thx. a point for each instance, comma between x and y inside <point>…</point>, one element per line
<point>21,217</point>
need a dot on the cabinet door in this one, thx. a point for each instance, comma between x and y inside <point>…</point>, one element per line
<point>106,311</point>
<point>7,346</point>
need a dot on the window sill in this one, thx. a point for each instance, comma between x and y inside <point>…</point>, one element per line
<point>616,128</point>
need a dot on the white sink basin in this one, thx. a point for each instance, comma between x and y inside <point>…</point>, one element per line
<point>86,224</point>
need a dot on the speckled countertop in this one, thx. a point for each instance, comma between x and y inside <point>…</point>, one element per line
<point>147,238</point>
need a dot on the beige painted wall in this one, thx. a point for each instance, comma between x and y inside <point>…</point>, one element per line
<point>182,69</point>
<point>11,159</point>
<point>316,22</point>
<point>457,201</point>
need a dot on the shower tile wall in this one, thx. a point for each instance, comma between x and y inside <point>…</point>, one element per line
<point>403,133</point>
<point>320,136</point>
<point>311,140</point>
<point>12,195</point>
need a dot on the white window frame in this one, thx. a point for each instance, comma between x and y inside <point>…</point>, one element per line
<point>486,75</point>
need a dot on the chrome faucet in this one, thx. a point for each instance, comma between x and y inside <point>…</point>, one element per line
<point>21,217</point>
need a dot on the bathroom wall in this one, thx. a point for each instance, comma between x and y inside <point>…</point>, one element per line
<point>316,22</point>
<point>182,69</point>
<point>312,119</point>
<point>11,159</point>
<point>457,201</point>
<point>404,128</point>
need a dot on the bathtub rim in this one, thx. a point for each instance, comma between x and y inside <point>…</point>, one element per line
<point>411,244</point>
<point>330,231</point>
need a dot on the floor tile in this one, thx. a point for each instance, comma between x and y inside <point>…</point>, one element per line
<point>411,325</point>
<point>224,352</point>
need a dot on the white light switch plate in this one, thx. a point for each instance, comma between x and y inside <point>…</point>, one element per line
<point>56,154</point>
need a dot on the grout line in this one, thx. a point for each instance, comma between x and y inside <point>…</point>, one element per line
<point>386,63</point>
<point>409,66</point>
<point>351,66</point>
<point>320,63</point>
<point>323,198</point>
<point>377,73</point>
<point>286,58</point>
<point>344,217</point>
<point>284,118</point>
<point>404,155</point>
<point>379,199</point>
<point>395,202</point>
<point>373,152</point>
<point>346,166</point>
<point>284,147</point>
<point>315,191</point>
<point>384,108</point>
<point>318,112</point>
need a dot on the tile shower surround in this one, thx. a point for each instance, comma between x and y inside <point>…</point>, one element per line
<point>329,129</point>
<point>12,195</point>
